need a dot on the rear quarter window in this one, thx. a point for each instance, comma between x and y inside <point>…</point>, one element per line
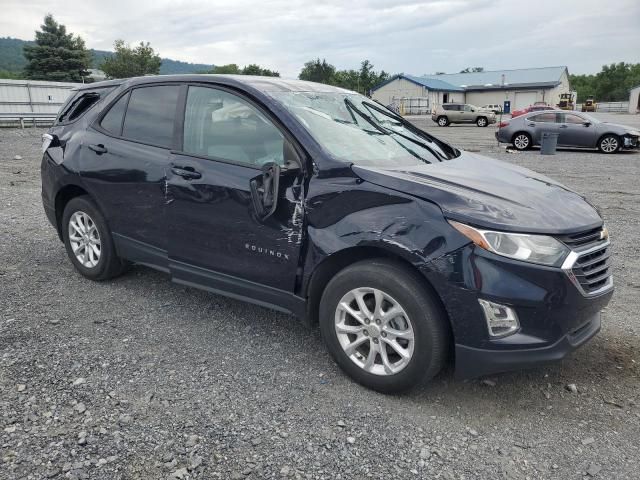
<point>80,104</point>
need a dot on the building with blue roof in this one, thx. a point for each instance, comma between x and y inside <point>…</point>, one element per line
<point>519,87</point>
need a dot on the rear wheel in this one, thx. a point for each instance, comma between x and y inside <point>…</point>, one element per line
<point>609,144</point>
<point>522,141</point>
<point>482,122</point>
<point>382,326</point>
<point>88,241</point>
<point>443,121</point>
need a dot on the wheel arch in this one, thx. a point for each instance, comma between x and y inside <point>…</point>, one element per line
<point>64,196</point>
<point>609,134</point>
<point>342,259</point>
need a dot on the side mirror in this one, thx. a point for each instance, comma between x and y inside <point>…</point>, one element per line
<point>587,124</point>
<point>264,190</point>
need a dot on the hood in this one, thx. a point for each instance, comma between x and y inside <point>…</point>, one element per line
<point>492,194</point>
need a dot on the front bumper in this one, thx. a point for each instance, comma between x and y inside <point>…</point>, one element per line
<point>555,316</point>
<point>475,362</point>
<point>630,142</point>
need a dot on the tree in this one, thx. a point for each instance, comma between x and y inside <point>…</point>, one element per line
<point>254,69</point>
<point>611,84</point>
<point>361,81</point>
<point>472,70</point>
<point>131,62</point>
<point>318,71</point>
<point>251,69</point>
<point>56,55</point>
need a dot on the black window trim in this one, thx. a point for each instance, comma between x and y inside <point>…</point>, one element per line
<point>179,125</point>
<point>96,123</point>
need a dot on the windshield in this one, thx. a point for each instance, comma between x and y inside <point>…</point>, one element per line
<point>355,129</point>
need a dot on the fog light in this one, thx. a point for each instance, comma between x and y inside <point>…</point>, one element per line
<point>501,320</point>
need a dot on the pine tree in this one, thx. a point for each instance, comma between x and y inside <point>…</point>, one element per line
<point>56,55</point>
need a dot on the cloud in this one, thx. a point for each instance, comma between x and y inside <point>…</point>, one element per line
<point>409,36</point>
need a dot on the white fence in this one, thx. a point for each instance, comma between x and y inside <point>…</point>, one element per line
<point>410,105</point>
<point>33,96</point>
<point>612,107</point>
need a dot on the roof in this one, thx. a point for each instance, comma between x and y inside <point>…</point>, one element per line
<point>262,84</point>
<point>435,84</point>
<point>529,77</point>
<point>490,80</point>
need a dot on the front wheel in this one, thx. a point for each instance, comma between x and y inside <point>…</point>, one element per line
<point>382,326</point>
<point>88,241</point>
<point>522,141</point>
<point>609,144</point>
<point>482,122</point>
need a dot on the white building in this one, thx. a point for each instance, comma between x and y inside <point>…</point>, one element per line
<point>33,96</point>
<point>520,88</point>
<point>634,100</point>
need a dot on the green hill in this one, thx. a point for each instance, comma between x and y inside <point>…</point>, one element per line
<point>12,60</point>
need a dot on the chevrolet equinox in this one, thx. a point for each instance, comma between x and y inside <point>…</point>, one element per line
<point>316,201</point>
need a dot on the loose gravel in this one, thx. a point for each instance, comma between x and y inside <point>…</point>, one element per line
<point>139,378</point>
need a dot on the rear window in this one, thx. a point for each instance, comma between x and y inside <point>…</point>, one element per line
<point>150,115</point>
<point>80,103</point>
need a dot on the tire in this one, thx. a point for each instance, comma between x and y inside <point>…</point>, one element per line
<point>99,266</point>
<point>609,144</point>
<point>522,141</point>
<point>422,317</point>
<point>482,122</point>
<point>443,121</point>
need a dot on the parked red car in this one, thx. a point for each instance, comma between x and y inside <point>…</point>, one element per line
<point>532,108</point>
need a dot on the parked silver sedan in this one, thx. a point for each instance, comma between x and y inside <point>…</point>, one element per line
<point>575,129</point>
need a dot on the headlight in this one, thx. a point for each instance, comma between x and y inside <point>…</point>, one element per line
<point>540,249</point>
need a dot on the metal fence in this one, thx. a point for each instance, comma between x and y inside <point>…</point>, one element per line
<point>612,107</point>
<point>410,105</point>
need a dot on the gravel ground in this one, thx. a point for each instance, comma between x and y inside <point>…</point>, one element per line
<point>140,378</point>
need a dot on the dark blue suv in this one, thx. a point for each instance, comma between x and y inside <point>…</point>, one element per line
<point>318,201</point>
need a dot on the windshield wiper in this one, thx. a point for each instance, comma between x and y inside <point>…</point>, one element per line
<point>388,131</point>
<point>412,128</point>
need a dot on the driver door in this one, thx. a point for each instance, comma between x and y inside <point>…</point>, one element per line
<point>217,237</point>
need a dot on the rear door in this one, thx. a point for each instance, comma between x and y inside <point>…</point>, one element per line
<point>539,123</point>
<point>217,238</point>
<point>575,131</point>
<point>124,161</point>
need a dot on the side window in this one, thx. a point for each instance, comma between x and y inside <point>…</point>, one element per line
<point>112,121</point>
<point>150,115</point>
<point>222,125</point>
<point>574,119</point>
<point>544,118</point>
<point>467,108</point>
<point>447,107</point>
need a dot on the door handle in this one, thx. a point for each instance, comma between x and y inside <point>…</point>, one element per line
<point>564,126</point>
<point>531,124</point>
<point>99,149</point>
<point>188,173</point>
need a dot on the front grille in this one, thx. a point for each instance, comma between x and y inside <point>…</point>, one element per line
<point>589,263</point>
<point>592,270</point>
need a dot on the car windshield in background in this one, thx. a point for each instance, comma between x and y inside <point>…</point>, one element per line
<point>354,129</point>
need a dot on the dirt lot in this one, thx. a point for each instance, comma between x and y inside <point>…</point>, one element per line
<point>140,378</point>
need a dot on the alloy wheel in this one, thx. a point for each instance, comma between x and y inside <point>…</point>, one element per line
<point>521,142</point>
<point>374,331</point>
<point>609,144</point>
<point>442,122</point>
<point>482,122</point>
<point>84,239</point>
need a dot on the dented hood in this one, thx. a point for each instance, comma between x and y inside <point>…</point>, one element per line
<point>492,194</point>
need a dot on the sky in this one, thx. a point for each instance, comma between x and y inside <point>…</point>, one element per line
<point>408,36</point>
